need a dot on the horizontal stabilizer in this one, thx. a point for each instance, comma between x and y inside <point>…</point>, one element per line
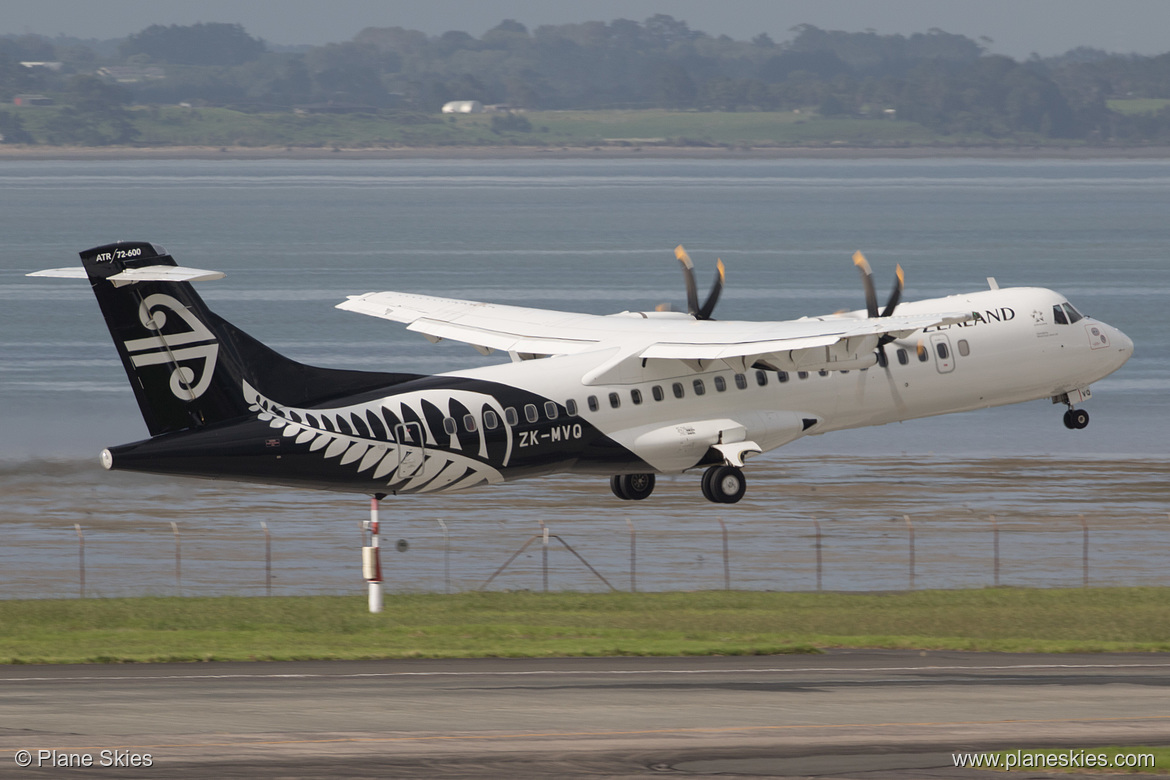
<point>76,272</point>
<point>149,273</point>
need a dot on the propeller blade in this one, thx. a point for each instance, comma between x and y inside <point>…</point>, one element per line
<point>716,289</point>
<point>896,294</point>
<point>689,276</point>
<point>867,279</point>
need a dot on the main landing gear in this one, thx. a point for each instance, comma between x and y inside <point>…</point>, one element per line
<point>724,484</point>
<point>1076,419</point>
<point>632,487</point>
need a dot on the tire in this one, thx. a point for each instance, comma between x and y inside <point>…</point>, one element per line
<point>1068,420</point>
<point>1080,419</point>
<point>636,487</point>
<point>724,484</point>
<point>617,485</point>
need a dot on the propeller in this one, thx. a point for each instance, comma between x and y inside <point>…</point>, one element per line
<point>693,308</point>
<point>871,305</point>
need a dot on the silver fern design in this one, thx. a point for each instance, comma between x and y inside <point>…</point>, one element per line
<point>390,440</point>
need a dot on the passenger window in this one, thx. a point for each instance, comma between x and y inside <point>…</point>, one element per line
<point>571,407</point>
<point>823,372</point>
<point>636,396</point>
<point>510,417</point>
<point>700,388</point>
<point>782,376</point>
<point>593,405</point>
<point>615,400</point>
<point>720,384</point>
<point>761,378</point>
<point>551,411</point>
<point>679,392</point>
<point>741,381</point>
<point>903,357</point>
<point>657,392</point>
<point>530,413</point>
<point>449,425</point>
<point>964,348</point>
<point>490,420</point>
<point>802,375</point>
<point>943,352</point>
<point>469,422</point>
<point>1058,315</point>
<point>923,355</point>
<point>1073,314</point>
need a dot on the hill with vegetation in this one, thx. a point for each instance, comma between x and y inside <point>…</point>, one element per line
<point>619,82</point>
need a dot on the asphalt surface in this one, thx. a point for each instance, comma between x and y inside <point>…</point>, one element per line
<point>845,714</point>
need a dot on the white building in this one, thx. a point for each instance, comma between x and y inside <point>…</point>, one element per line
<point>463,107</point>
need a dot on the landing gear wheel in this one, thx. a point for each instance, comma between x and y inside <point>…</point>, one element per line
<point>1076,419</point>
<point>724,484</point>
<point>637,486</point>
<point>632,487</point>
<point>1068,421</point>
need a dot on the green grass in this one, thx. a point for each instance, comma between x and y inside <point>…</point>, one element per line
<point>1137,105</point>
<point>1161,759</point>
<point>523,624</point>
<point>221,127</point>
<point>709,128</point>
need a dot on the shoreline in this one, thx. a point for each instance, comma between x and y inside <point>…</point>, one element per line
<point>21,152</point>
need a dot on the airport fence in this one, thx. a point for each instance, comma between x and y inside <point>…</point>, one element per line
<point>420,555</point>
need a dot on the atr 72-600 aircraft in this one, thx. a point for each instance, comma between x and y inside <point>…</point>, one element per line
<point>626,396</point>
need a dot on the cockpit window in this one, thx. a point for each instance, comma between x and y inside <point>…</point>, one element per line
<point>1065,314</point>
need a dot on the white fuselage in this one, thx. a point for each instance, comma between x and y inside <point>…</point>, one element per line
<point>1015,350</point>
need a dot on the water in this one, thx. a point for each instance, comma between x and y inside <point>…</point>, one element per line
<point>295,237</point>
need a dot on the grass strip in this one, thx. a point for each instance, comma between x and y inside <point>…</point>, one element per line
<point>524,624</point>
<point>1154,760</point>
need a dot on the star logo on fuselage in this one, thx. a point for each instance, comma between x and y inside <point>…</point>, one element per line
<point>1038,317</point>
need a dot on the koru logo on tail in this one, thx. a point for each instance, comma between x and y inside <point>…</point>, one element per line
<point>179,348</point>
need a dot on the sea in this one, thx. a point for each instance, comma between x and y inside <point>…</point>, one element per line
<point>904,505</point>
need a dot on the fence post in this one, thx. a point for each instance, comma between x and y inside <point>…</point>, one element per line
<point>544,554</point>
<point>446,558</point>
<point>80,560</point>
<point>1085,554</point>
<point>633,557</point>
<point>726,561</point>
<point>995,547</point>
<point>178,560</point>
<point>817,525</point>
<point>910,525</point>
<point>267,560</point>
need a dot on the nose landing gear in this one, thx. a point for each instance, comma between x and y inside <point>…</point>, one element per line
<point>1076,419</point>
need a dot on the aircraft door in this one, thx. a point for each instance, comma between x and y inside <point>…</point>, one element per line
<point>411,448</point>
<point>944,356</point>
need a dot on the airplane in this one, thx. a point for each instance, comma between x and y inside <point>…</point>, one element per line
<point>626,396</point>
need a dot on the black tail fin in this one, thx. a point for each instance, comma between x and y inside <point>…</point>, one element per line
<point>186,364</point>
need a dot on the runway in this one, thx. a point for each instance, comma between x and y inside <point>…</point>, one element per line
<point>844,714</point>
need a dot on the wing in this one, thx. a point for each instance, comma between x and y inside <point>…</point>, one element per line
<point>837,342</point>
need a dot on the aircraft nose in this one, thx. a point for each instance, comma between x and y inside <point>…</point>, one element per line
<point>1124,344</point>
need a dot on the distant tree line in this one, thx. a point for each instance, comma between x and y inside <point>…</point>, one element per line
<point>946,82</point>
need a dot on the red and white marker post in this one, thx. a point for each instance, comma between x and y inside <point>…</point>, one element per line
<point>371,560</point>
